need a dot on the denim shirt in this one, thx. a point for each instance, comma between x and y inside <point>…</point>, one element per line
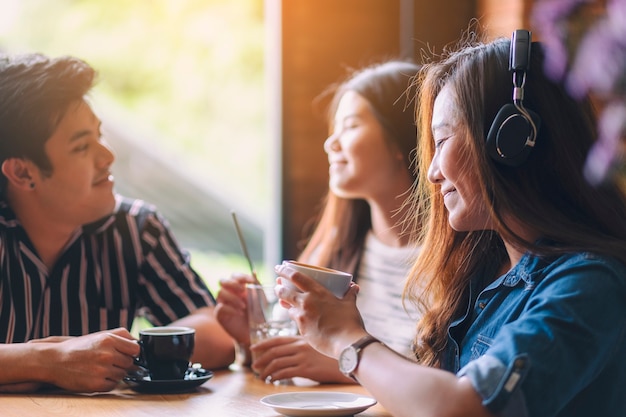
<point>548,338</point>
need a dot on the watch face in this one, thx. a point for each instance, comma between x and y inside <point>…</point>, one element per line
<point>348,360</point>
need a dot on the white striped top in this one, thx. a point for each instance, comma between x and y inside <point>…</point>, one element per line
<point>382,273</point>
<point>125,265</point>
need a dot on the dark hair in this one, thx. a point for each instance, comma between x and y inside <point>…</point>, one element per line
<point>548,193</point>
<point>389,87</point>
<point>35,93</point>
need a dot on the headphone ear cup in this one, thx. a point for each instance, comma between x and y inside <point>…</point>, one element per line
<point>508,136</point>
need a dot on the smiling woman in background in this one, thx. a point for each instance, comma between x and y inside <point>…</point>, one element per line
<point>370,151</point>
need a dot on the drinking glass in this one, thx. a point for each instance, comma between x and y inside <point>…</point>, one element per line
<point>266,317</point>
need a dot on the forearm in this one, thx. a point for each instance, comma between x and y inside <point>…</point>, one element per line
<point>331,374</point>
<point>92,363</point>
<point>214,348</point>
<point>23,362</point>
<point>421,390</point>
<point>326,370</point>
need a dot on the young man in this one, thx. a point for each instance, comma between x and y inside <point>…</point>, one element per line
<point>77,262</point>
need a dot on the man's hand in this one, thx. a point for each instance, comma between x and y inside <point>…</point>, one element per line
<point>91,363</point>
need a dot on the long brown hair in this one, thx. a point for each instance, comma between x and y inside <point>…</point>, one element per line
<point>389,87</point>
<point>547,193</point>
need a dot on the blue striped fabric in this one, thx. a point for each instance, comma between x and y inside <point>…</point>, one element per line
<point>125,265</point>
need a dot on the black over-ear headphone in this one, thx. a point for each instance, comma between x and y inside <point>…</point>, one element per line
<point>513,133</point>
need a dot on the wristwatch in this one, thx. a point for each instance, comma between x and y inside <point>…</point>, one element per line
<point>350,357</point>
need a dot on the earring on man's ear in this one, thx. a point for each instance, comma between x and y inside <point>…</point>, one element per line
<point>32,185</point>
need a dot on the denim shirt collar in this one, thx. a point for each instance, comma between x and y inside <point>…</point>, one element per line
<point>527,269</point>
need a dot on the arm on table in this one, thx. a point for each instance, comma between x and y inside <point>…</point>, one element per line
<point>401,386</point>
<point>213,347</point>
<point>90,363</point>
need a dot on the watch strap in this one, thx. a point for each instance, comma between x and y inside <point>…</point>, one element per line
<point>364,341</point>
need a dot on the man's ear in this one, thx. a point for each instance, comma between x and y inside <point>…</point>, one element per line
<point>18,172</point>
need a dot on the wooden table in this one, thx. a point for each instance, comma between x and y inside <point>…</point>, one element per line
<point>228,394</point>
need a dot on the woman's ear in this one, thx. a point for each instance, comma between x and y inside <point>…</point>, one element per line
<point>18,172</point>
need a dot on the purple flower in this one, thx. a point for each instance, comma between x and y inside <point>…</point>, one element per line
<point>600,63</point>
<point>554,20</point>
<point>606,152</point>
<point>586,48</point>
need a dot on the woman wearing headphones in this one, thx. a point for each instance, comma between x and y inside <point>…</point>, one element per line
<point>526,296</point>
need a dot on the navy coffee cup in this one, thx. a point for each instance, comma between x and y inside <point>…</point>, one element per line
<point>166,351</point>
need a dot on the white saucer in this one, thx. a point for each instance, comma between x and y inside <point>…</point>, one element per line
<point>317,403</point>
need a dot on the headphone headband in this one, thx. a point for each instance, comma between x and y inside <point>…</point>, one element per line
<point>519,53</point>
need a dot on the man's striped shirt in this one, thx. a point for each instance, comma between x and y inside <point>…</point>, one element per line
<point>124,265</point>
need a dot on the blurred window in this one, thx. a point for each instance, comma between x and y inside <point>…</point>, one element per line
<point>181,90</point>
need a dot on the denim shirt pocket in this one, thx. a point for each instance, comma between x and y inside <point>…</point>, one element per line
<point>480,346</point>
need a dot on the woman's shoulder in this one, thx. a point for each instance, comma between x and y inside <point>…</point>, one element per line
<point>577,268</point>
<point>588,260</point>
<point>376,246</point>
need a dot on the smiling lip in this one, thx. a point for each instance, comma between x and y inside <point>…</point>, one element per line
<point>332,161</point>
<point>107,179</point>
<point>333,165</point>
<point>447,192</point>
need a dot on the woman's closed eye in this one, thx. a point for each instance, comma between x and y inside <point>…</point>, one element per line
<point>350,122</point>
<point>439,142</point>
<point>82,147</point>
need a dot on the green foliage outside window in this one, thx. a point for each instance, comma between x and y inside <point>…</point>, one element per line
<point>188,72</point>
